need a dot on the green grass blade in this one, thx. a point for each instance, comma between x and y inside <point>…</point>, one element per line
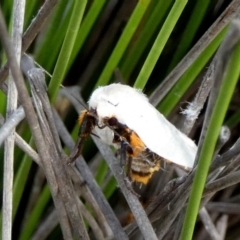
<point>88,22</point>
<point>216,121</point>
<point>101,172</point>
<point>190,30</point>
<point>30,12</point>
<point>159,43</point>
<point>52,42</point>
<point>233,120</point>
<point>36,214</point>
<point>64,56</point>
<point>20,182</point>
<point>2,103</point>
<point>131,59</point>
<point>123,42</point>
<point>6,7</point>
<point>110,188</point>
<point>178,90</point>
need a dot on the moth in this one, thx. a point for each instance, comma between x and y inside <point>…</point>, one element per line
<point>123,117</point>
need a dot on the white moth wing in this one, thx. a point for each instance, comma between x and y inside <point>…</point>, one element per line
<point>162,138</point>
<point>132,108</point>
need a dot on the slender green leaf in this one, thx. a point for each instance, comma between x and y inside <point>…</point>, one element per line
<point>20,182</point>
<point>216,121</point>
<point>159,43</point>
<point>110,188</point>
<point>48,49</point>
<point>123,42</point>
<point>136,50</point>
<point>233,120</point>
<point>61,66</point>
<point>178,90</point>
<point>37,212</point>
<point>190,30</point>
<point>101,172</point>
<point>88,22</point>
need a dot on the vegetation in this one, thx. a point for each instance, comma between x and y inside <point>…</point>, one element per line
<point>184,55</point>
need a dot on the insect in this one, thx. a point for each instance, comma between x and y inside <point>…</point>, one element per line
<point>123,117</point>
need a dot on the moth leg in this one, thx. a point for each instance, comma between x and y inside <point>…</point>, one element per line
<point>129,168</point>
<point>125,159</point>
<point>129,154</point>
<point>123,153</point>
<point>128,180</point>
<point>77,150</point>
<point>86,121</point>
